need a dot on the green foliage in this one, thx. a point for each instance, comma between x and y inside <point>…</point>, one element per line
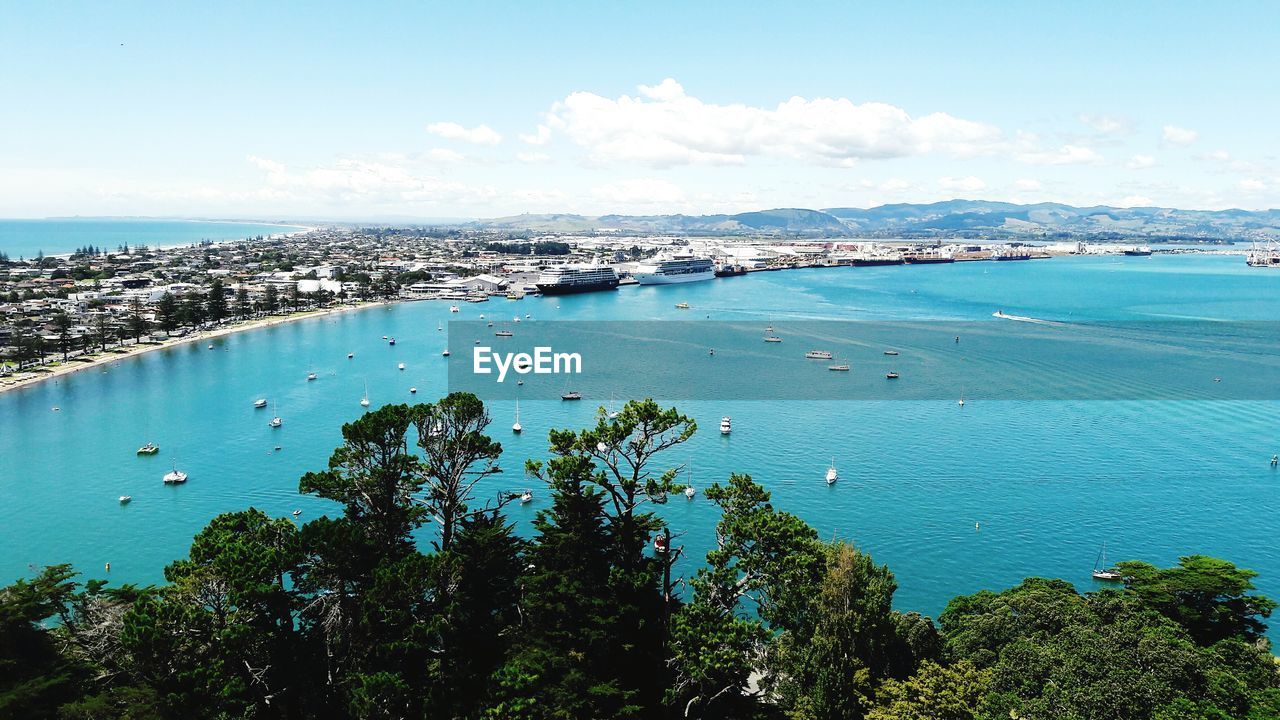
<point>935,692</point>
<point>1205,595</point>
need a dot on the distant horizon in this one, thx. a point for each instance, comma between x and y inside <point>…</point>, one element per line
<point>292,221</point>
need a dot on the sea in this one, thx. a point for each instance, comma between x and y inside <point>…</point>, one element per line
<point>953,499</point>
<point>26,238</point>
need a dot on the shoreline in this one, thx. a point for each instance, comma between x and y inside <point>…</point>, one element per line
<point>26,378</point>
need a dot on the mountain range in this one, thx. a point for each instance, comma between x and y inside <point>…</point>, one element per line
<point>947,219</point>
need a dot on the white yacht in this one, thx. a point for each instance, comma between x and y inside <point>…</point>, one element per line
<point>364,401</point>
<point>516,427</point>
<point>124,499</point>
<point>726,425</point>
<point>454,308</point>
<point>526,497</point>
<point>832,475</point>
<point>260,403</point>
<point>400,366</point>
<point>818,355</point>
<point>674,269</point>
<point>175,477</point>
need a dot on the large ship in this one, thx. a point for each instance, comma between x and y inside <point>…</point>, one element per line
<point>677,269</point>
<point>569,279</point>
<point>876,260</point>
<point>1138,252</point>
<point>1264,255</point>
<point>1010,253</point>
<point>926,257</point>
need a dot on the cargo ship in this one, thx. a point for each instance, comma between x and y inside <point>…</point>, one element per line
<point>1138,252</point>
<point>876,261</point>
<point>730,270</point>
<point>926,258</point>
<point>572,279</point>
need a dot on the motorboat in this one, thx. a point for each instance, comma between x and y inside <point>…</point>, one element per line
<point>832,475</point>
<point>726,425</point>
<point>817,355</point>
<point>682,306</point>
<point>260,403</point>
<point>124,499</point>
<point>839,368</point>
<point>571,395</point>
<point>400,366</point>
<point>890,352</point>
<point>526,497</point>
<point>891,376</point>
<point>504,333</point>
<point>772,338</point>
<point>413,391</point>
<point>453,308</point>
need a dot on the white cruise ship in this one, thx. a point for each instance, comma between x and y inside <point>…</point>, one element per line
<point>567,279</point>
<point>677,269</point>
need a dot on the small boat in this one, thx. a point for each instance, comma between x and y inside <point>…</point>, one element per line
<point>817,355</point>
<point>769,329</point>
<point>124,499</point>
<point>481,316</point>
<point>504,333</point>
<point>56,408</point>
<point>891,375</point>
<point>960,402</point>
<point>726,425</point>
<point>175,477</point>
<point>490,324</point>
<point>384,337</point>
<point>392,341</point>
<point>890,352</point>
<point>445,353</point>
<point>1102,572</point>
<point>772,338</point>
<point>296,513</point>
<point>311,376</point>
<point>260,403</point>
<point>516,427</point>
<point>400,366</point>
<point>842,367</point>
<point>364,401</point>
<point>413,391</point>
<point>832,475</point>
<point>613,414</point>
<point>439,326</point>
<point>689,492</point>
<point>1274,460</point>
<point>571,395</point>
<point>528,316</point>
<point>712,351</point>
<point>210,346</point>
<point>152,449</point>
<point>453,308</point>
<point>350,355</point>
<point>660,543</point>
<point>526,497</point>
<point>682,306</point>
<point>275,421</point>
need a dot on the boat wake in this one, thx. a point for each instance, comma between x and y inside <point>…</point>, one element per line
<point>1022,318</point>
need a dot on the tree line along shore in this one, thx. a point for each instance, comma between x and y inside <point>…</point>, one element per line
<point>348,616</point>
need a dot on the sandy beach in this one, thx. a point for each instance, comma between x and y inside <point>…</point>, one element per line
<point>31,376</point>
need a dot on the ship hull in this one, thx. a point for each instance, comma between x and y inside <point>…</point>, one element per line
<point>928,260</point>
<point>574,289</point>
<point>730,272</point>
<point>1137,253</point>
<point>661,279</point>
<point>876,262</point>
<point>1011,258</point>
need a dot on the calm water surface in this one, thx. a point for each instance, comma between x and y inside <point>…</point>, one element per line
<point>25,238</point>
<point>1048,482</point>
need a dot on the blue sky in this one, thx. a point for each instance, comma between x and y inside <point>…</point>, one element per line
<point>427,109</point>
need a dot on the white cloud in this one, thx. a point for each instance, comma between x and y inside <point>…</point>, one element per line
<point>1065,155</point>
<point>478,135</point>
<point>1251,185</point>
<point>1140,162</point>
<point>358,181</point>
<point>1179,136</point>
<point>1027,184</point>
<point>1135,201</point>
<point>1108,124</point>
<point>533,158</point>
<point>640,191</point>
<point>664,126</point>
<point>964,184</point>
<point>446,155</point>
<point>541,137</point>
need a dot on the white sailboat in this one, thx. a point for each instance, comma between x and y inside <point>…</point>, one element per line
<point>689,491</point>
<point>364,401</point>
<point>275,421</point>
<point>832,475</point>
<point>175,477</point>
<point>1102,572</point>
<point>516,427</point>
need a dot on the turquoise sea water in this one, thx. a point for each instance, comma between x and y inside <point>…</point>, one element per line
<point>25,238</point>
<point>1048,481</point>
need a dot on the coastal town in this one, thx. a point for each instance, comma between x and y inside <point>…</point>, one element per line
<point>59,313</point>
